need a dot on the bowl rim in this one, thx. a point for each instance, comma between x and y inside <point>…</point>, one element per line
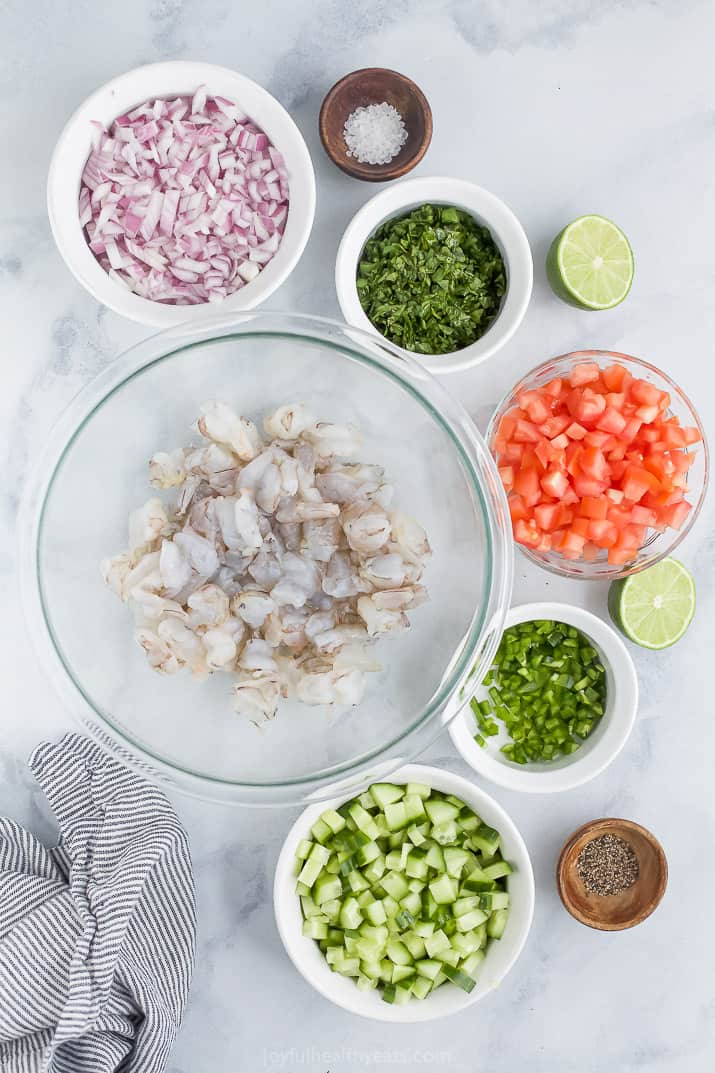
<point>481,636</point>
<point>164,79</point>
<point>562,567</point>
<point>490,210</point>
<point>621,710</point>
<point>292,939</point>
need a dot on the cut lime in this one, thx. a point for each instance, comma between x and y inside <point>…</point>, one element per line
<point>590,264</point>
<point>654,608</point>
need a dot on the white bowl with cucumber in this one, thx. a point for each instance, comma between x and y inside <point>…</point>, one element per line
<point>408,902</point>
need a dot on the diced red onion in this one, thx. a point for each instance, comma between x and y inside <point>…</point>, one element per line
<point>183,201</point>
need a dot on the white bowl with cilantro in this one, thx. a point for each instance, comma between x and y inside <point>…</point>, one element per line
<point>471,313</point>
<point>408,902</point>
<point>592,740</point>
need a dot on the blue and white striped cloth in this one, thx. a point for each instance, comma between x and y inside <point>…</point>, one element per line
<point>96,935</point>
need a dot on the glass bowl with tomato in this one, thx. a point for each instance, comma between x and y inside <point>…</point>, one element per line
<point>604,462</point>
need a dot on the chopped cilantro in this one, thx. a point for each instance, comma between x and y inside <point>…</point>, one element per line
<point>431,281</point>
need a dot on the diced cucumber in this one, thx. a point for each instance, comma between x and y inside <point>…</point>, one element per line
<point>478,881</point>
<point>415,944</point>
<point>333,820</point>
<point>364,821</point>
<point>436,942</point>
<point>471,920</point>
<point>421,987</point>
<point>326,888</point>
<point>395,884</point>
<point>320,831</point>
<point>417,833</point>
<point>375,912</point>
<point>472,963</point>
<point>498,870</point>
<point>497,899</point>
<point>435,858</point>
<point>304,848</point>
<point>445,834</point>
<point>440,811</point>
<point>447,956</point>
<point>460,978</point>
<point>497,923</point>
<point>350,914</point>
<point>443,889</point>
<point>485,839</point>
<point>386,793</point>
<point>400,888</point>
<point>454,860</point>
<point>428,967</point>
<point>418,789</point>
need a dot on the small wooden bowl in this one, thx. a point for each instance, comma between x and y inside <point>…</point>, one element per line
<point>618,911</point>
<point>373,85</point>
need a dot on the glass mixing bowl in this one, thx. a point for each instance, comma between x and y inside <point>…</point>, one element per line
<point>656,545</point>
<point>94,472</point>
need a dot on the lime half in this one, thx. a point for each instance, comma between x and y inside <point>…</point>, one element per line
<point>654,608</point>
<point>590,264</point>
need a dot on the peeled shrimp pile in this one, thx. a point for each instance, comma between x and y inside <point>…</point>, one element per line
<point>279,562</point>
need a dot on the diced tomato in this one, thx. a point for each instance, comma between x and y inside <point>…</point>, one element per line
<point>576,431</point>
<point>675,516</point>
<point>620,556</point>
<point>533,403</point>
<point>555,425</point>
<point>643,516</point>
<point>603,533</point>
<point>594,508</point>
<point>553,388</point>
<point>526,484</point>
<point>526,432</point>
<point>611,421</point>
<point>518,509</point>
<point>602,440</point>
<point>580,526</point>
<point>614,377</point>
<point>584,373</point>
<point>593,464</point>
<point>554,482</point>
<point>527,533</point>
<point>507,476</point>
<point>507,425</point>
<point>646,394</point>
<point>587,486</point>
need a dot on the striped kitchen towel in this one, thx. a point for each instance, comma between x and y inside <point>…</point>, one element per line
<point>97,934</point>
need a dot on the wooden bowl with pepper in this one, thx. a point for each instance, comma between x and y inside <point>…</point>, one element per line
<point>611,874</point>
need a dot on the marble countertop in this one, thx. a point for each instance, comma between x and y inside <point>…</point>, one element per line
<point>560,107</point>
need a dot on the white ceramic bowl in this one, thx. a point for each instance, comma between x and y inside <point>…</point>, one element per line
<point>501,955</point>
<point>597,751</point>
<point>507,232</point>
<point>166,80</point>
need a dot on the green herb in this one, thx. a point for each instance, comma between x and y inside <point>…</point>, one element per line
<point>548,688</point>
<point>431,281</point>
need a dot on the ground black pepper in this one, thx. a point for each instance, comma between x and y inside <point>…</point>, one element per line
<point>607,865</point>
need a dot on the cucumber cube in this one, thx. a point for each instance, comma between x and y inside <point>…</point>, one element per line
<point>386,793</point>
<point>443,889</point>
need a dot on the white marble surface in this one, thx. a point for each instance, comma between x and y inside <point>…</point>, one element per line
<point>560,107</point>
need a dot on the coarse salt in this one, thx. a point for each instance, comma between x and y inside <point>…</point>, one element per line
<point>375,134</point>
